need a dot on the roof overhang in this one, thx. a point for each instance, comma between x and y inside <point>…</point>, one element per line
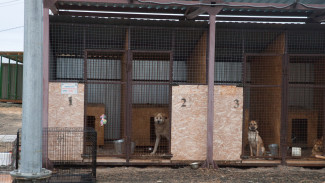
<point>231,10</point>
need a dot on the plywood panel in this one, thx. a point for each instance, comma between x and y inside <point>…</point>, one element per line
<point>61,114</point>
<point>189,123</point>
<point>228,120</point>
<point>97,110</point>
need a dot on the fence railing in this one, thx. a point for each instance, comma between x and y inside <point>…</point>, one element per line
<point>69,152</point>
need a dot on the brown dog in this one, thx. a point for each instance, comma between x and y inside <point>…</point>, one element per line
<point>162,129</point>
<point>255,141</point>
<point>318,147</point>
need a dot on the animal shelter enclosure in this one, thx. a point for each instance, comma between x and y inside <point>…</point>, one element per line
<point>130,71</point>
<point>127,72</point>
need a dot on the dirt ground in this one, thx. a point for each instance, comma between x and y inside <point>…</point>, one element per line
<point>10,122</point>
<point>10,118</point>
<point>231,175</point>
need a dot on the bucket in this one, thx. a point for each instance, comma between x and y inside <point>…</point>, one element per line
<point>119,146</point>
<point>274,148</point>
<point>296,151</point>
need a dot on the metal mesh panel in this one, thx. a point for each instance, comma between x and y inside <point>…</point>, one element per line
<point>306,42</point>
<point>150,95</point>
<point>67,50</point>
<point>190,56</point>
<point>264,41</point>
<point>228,59</point>
<point>305,104</point>
<point>106,92</point>
<point>150,38</point>
<point>262,95</point>
<point>71,153</point>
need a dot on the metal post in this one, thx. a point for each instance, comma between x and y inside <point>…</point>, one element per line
<point>9,81</point>
<point>212,11</point>
<point>31,152</point>
<point>0,77</point>
<point>16,78</point>
<point>212,32</point>
<point>45,80</point>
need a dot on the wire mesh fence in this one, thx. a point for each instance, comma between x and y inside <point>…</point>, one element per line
<point>70,154</point>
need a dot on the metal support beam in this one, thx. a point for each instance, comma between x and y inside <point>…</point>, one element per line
<point>0,77</point>
<point>46,34</point>
<point>50,4</point>
<point>316,17</point>
<point>31,152</point>
<point>16,78</point>
<point>9,81</point>
<point>195,13</point>
<point>209,163</point>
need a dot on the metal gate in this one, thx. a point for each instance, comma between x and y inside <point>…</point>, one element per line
<point>151,94</point>
<point>130,86</point>
<point>263,98</point>
<point>105,93</point>
<point>306,105</point>
<point>286,95</point>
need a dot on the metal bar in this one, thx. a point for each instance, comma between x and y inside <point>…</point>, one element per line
<point>284,110</point>
<point>263,86</point>
<point>150,51</point>
<point>129,105</point>
<point>210,114</point>
<point>244,72</point>
<point>17,149</point>
<point>306,55</point>
<point>1,77</point>
<point>45,110</point>
<point>284,102</point>
<point>94,153</point>
<point>105,50</point>
<point>151,83</point>
<point>306,86</point>
<point>16,78</point>
<point>103,82</point>
<point>9,81</point>
<point>171,89</point>
<point>323,129</point>
<point>262,54</point>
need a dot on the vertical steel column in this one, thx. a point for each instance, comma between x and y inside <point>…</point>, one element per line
<point>16,78</point>
<point>45,79</point>
<point>0,77</point>
<point>9,81</point>
<point>31,152</point>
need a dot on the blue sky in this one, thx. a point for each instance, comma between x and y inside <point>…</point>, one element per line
<point>11,25</point>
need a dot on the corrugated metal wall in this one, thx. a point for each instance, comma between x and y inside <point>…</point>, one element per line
<point>11,89</point>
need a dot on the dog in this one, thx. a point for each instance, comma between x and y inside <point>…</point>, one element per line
<point>318,147</point>
<point>255,141</point>
<point>162,129</point>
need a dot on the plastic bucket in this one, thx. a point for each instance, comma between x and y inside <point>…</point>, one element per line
<point>274,149</point>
